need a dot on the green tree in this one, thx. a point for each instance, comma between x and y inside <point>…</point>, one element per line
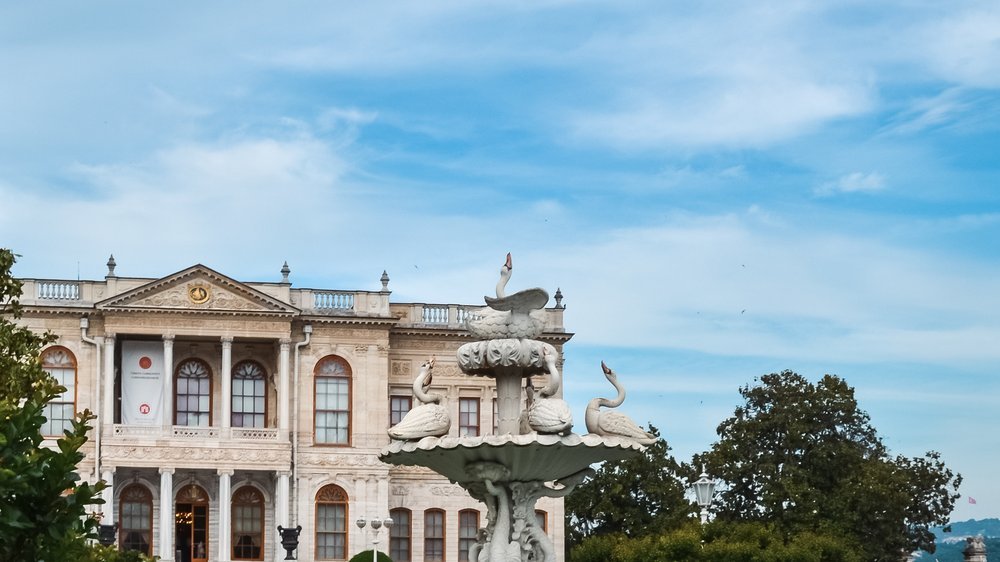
<point>636,496</point>
<point>804,457</point>
<point>718,541</point>
<point>42,503</point>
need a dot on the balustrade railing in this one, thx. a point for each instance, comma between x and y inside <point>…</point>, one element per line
<point>333,300</point>
<point>58,290</point>
<point>434,314</point>
<point>183,432</point>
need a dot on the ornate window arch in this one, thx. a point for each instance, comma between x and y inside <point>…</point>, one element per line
<point>249,394</point>
<point>331,523</point>
<point>193,393</point>
<point>434,535</point>
<point>248,524</point>
<point>60,363</point>
<point>135,517</point>
<point>332,395</point>
<point>400,534</point>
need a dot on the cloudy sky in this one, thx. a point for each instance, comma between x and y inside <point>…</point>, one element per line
<point>720,189</point>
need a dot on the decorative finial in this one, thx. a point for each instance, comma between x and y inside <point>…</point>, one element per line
<point>559,298</point>
<point>111,266</point>
<point>385,281</point>
<point>284,273</point>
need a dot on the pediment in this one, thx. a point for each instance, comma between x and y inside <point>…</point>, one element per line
<point>198,289</point>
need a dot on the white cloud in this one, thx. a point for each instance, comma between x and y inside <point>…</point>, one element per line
<point>855,182</point>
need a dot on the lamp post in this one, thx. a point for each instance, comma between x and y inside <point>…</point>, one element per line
<point>375,524</point>
<point>704,488</point>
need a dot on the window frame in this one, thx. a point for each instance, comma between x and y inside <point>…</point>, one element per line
<point>49,409</point>
<point>465,542</point>
<point>237,501</point>
<point>392,411</point>
<point>232,394</point>
<point>465,416</point>
<point>442,540</point>
<point>211,404</point>
<point>395,537</point>
<point>349,378</point>
<point>147,495</point>
<point>543,516</point>
<point>332,495</point>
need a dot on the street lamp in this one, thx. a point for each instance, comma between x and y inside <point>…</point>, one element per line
<point>704,488</point>
<point>375,524</point>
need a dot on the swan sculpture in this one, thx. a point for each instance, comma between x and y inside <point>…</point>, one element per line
<point>512,316</point>
<point>430,418</point>
<point>546,414</point>
<point>614,424</point>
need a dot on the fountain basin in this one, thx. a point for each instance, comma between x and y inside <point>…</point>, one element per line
<point>529,457</point>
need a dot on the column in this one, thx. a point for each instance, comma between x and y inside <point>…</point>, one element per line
<point>108,406</point>
<point>284,399</point>
<point>166,514</point>
<point>281,512</point>
<point>168,386</point>
<point>361,509</point>
<point>108,494</point>
<point>281,500</point>
<point>225,513</point>
<point>383,496</point>
<point>227,381</point>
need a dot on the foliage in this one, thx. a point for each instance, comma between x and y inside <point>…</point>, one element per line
<point>42,503</point>
<point>717,542</point>
<point>636,496</point>
<point>366,556</point>
<point>803,457</point>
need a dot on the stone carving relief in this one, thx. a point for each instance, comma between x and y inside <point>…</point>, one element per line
<point>401,368</point>
<point>399,490</point>
<point>123,454</point>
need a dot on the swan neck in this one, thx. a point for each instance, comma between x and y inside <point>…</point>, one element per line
<point>419,392</point>
<point>502,283</point>
<point>618,399</point>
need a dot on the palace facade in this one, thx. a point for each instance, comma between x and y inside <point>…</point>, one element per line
<point>226,408</point>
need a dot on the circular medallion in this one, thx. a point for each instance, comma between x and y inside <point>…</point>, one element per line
<point>199,294</point>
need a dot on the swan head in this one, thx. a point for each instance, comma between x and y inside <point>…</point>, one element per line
<point>607,370</point>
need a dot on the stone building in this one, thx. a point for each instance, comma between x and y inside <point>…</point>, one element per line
<point>226,408</point>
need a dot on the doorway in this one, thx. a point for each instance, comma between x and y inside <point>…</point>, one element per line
<point>191,525</point>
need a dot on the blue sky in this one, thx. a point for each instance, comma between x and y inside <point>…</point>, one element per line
<point>721,189</point>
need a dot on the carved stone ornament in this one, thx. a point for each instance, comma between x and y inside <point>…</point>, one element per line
<point>400,368</point>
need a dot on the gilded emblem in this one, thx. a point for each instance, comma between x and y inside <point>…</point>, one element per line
<point>199,294</point>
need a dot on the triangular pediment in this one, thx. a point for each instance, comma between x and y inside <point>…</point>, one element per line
<point>198,289</point>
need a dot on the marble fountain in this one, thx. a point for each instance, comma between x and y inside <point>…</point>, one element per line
<point>534,452</point>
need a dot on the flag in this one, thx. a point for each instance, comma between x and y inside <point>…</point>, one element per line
<point>972,500</point>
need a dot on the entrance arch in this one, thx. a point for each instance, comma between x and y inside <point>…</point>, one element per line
<point>191,524</point>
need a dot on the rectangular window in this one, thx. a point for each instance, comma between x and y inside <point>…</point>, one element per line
<point>60,411</point>
<point>398,407</point>
<point>496,418</point>
<point>468,525</point>
<point>434,535</point>
<point>399,535</point>
<point>331,532</point>
<point>332,410</point>
<point>468,417</point>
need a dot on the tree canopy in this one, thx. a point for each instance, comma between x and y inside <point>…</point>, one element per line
<point>636,496</point>
<point>804,457</point>
<point>42,503</point>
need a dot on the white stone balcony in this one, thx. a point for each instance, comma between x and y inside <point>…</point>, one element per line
<point>184,433</point>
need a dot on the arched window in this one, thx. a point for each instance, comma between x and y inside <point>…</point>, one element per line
<point>193,393</point>
<point>434,535</point>
<point>60,363</point>
<point>468,526</point>
<point>248,524</point>
<point>331,523</point>
<point>543,520</point>
<point>249,395</point>
<point>135,517</point>
<point>333,399</point>
<point>399,535</point>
